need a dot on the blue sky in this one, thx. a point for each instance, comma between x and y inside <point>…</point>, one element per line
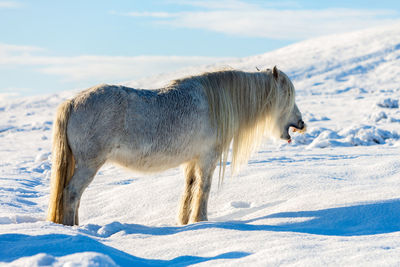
<point>49,46</point>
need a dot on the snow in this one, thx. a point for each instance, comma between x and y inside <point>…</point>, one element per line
<point>329,198</point>
<point>388,103</point>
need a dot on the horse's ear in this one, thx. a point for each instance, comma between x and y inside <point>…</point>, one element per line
<point>275,72</point>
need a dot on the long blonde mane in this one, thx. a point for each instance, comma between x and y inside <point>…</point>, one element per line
<point>244,107</point>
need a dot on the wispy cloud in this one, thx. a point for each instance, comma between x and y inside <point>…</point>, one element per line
<point>220,4</point>
<point>250,20</point>
<point>6,49</point>
<point>118,68</point>
<point>10,4</point>
<point>151,14</point>
<point>95,67</point>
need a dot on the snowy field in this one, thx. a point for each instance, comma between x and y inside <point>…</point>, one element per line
<point>332,197</point>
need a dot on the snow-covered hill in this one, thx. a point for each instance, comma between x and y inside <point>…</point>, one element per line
<point>330,198</point>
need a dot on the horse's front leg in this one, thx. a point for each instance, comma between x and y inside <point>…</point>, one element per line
<point>201,190</point>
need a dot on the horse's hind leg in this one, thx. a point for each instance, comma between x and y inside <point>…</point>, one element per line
<point>73,192</point>
<point>190,178</point>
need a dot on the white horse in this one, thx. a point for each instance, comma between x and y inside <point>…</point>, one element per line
<point>192,122</point>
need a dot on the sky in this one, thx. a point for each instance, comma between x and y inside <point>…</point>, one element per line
<point>50,46</point>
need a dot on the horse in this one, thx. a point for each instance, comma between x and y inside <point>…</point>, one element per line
<point>193,122</point>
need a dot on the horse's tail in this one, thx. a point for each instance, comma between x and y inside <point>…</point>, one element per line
<point>63,164</point>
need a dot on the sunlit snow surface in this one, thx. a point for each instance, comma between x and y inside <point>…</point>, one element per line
<point>332,197</point>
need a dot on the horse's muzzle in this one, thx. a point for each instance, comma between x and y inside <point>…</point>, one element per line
<point>299,127</point>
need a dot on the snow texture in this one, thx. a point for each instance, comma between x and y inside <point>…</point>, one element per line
<point>331,198</point>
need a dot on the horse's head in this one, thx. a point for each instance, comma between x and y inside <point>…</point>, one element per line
<point>289,114</point>
<point>296,122</point>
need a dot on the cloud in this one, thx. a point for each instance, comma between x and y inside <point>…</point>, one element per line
<point>221,4</point>
<point>151,14</point>
<point>10,4</point>
<point>8,49</point>
<point>95,67</point>
<point>119,68</point>
<point>250,20</point>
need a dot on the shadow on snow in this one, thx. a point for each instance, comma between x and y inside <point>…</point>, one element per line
<point>15,246</point>
<point>363,219</point>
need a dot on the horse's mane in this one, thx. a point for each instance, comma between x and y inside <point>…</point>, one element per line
<point>244,106</point>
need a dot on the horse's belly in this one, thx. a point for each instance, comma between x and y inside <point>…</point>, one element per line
<point>150,162</point>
